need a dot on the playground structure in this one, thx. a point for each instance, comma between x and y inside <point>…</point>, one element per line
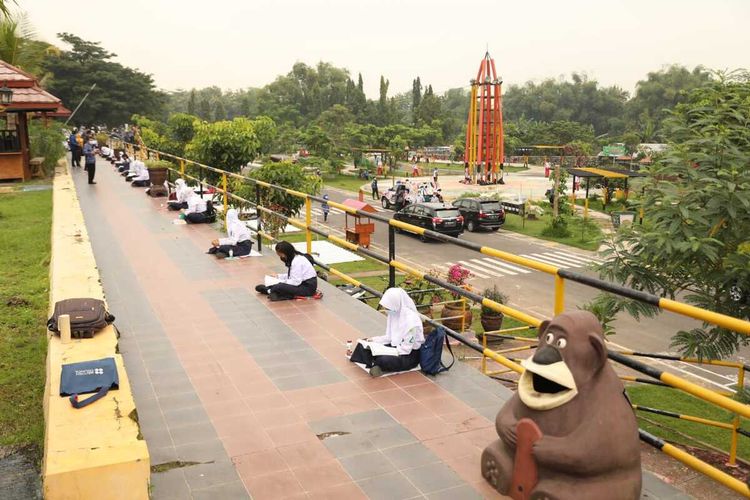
<point>484,151</point>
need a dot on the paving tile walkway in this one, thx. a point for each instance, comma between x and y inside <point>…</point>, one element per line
<point>242,398</point>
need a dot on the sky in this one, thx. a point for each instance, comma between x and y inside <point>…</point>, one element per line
<point>236,44</point>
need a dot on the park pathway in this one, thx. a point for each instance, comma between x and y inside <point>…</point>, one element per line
<point>238,397</point>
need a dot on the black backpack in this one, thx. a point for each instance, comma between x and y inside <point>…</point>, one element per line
<point>87,316</point>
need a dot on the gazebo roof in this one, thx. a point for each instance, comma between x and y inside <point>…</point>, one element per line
<point>27,94</point>
<point>359,205</point>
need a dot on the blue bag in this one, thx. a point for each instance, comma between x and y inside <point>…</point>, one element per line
<point>430,354</point>
<point>98,376</point>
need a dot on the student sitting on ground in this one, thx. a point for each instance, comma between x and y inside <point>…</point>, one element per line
<point>199,211</point>
<point>181,191</point>
<point>237,243</point>
<point>301,280</point>
<point>142,178</point>
<point>133,170</point>
<point>123,164</point>
<point>398,349</point>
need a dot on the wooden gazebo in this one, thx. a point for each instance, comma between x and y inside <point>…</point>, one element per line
<point>27,97</point>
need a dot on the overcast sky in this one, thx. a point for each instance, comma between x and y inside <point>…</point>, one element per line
<point>247,43</point>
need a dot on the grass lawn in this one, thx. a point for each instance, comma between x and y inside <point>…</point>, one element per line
<point>673,400</point>
<point>25,220</point>
<point>612,206</point>
<point>346,182</point>
<point>592,234</point>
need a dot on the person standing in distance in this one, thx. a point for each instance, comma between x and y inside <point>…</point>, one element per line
<point>374,186</point>
<point>89,151</point>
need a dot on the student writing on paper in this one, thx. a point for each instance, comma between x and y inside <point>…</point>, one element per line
<point>398,349</point>
<point>198,211</point>
<point>300,280</point>
<point>181,191</point>
<point>142,178</point>
<point>237,242</point>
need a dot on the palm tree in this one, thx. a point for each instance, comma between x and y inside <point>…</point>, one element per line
<point>18,44</point>
<point>5,7</point>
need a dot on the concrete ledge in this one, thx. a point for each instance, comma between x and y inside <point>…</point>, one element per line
<point>97,451</point>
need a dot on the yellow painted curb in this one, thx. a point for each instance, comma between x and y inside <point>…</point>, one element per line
<point>96,451</point>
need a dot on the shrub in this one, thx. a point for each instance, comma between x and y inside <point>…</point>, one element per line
<point>46,142</point>
<point>557,228</point>
<point>496,295</point>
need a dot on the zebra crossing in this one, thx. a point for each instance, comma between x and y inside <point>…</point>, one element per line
<point>318,212</point>
<point>488,267</point>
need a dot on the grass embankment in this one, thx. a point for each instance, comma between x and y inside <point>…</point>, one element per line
<point>585,235</point>
<point>612,206</point>
<point>673,400</point>
<point>25,221</point>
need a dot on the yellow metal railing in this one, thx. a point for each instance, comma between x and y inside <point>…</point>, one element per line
<point>560,275</point>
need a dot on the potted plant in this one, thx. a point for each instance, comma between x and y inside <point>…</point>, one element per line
<point>422,293</point>
<point>157,174</point>
<point>457,275</point>
<point>492,320</point>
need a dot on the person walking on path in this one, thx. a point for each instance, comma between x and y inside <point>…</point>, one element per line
<point>89,150</point>
<point>435,178</point>
<point>325,207</point>
<point>374,186</point>
<point>75,151</point>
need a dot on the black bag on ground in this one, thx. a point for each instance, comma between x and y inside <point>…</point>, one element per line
<point>87,316</point>
<point>97,376</point>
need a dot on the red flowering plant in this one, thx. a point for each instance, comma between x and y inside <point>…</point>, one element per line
<point>457,275</point>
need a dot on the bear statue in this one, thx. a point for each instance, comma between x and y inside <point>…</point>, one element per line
<point>589,445</point>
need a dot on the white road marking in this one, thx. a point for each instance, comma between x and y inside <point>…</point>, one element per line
<point>566,260</point>
<point>472,269</point>
<point>544,260</point>
<point>491,267</point>
<point>504,265</point>
<point>576,256</point>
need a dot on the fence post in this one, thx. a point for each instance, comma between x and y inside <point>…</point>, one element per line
<point>224,187</point>
<point>157,156</point>
<point>559,294</point>
<point>391,256</point>
<point>736,421</point>
<point>200,180</point>
<point>259,219</point>
<point>586,209</point>
<point>182,168</point>
<point>308,223</point>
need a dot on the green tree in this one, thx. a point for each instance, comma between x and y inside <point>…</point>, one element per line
<point>285,174</point>
<point>119,93</point>
<point>227,145</point>
<point>660,92</point>
<point>182,126</point>
<point>266,131</point>
<point>383,118</point>
<point>19,47</point>
<point>205,109</point>
<point>695,239</point>
<point>429,108</point>
<point>416,97</point>
<point>220,112</point>
<point>191,106</point>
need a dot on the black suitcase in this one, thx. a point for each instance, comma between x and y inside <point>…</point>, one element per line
<point>87,316</point>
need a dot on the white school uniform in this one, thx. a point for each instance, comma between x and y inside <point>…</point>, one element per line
<point>300,270</point>
<point>236,229</point>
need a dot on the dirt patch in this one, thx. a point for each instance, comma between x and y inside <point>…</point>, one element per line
<point>19,475</point>
<point>17,302</point>
<point>166,466</point>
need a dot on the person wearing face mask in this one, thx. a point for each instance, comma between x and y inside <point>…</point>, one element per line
<point>237,243</point>
<point>301,280</point>
<point>398,349</point>
<point>89,151</point>
<point>181,191</point>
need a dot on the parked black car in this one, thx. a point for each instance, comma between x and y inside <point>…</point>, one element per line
<point>434,216</point>
<point>478,213</point>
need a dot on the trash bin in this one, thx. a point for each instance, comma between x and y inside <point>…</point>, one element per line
<point>619,218</point>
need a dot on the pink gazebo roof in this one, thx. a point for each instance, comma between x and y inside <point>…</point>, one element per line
<point>359,205</point>
<point>27,94</point>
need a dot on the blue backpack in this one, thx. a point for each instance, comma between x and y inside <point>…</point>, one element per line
<point>430,354</point>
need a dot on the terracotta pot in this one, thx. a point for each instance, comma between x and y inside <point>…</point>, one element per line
<point>451,311</point>
<point>426,309</point>
<point>492,322</point>
<point>157,177</point>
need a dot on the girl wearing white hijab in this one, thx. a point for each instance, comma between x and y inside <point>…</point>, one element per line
<point>403,334</point>
<point>181,191</point>
<point>238,240</point>
<point>198,211</point>
<point>142,178</point>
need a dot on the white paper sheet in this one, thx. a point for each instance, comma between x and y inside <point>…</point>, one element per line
<point>270,280</point>
<point>379,349</point>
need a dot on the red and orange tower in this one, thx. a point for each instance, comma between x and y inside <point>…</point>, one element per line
<point>484,153</point>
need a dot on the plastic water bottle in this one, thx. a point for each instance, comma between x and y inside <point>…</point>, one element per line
<point>231,253</point>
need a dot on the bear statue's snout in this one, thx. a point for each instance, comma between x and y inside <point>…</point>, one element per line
<point>547,355</point>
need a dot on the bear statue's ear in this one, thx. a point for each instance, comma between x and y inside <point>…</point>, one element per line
<point>542,328</point>
<point>599,348</point>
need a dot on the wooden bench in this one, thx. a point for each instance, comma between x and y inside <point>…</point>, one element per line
<point>37,167</point>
